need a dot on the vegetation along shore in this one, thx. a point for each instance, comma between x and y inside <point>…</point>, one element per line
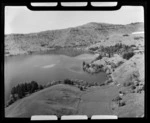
<point>119,53</point>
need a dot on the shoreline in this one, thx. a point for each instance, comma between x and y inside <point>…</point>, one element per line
<point>81,84</point>
<point>106,66</point>
<point>74,51</point>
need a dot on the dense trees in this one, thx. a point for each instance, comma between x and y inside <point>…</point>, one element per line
<point>68,81</point>
<point>119,48</point>
<point>25,88</point>
<point>125,50</point>
<point>21,90</point>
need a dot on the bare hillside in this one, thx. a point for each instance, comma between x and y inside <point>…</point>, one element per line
<point>81,36</point>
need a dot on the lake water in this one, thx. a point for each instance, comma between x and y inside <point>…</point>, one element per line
<point>44,68</point>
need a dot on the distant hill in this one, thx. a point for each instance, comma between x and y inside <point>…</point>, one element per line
<point>82,36</point>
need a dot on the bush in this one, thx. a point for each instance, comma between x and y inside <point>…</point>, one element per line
<point>133,87</point>
<point>122,92</point>
<point>93,48</point>
<point>140,89</point>
<point>81,88</point>
<point>138,38</point>
<point>84,63</point>
<point>125,35</point>
<point>143,87</point>
<point>118,98</point>
<point>9,103</point>
<point>128,55</point>
<point>99,57</point>
<point>122,103</point>
<point>126,84</point>
<point>133,45</point>
<point>68,81</point>
<point>119,63</point>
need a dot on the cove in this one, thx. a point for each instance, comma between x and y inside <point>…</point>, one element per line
<point>45,68</point>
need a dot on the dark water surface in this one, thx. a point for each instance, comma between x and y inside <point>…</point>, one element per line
<point>44,68</point>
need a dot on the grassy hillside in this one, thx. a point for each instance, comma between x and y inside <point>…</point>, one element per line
<point>64,99</point>
<point>81,36</point>
<point>45,102</point>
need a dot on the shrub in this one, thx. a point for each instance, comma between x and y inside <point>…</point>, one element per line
<point>122,103</point>
<point>84,63</point>
<point>143,87</point>
<point>133,87</point>
<point>133,45</point>
<point>99,57</point>
<point>140,89</point>
<point>122,92</point>
<point>93,48</point>
<point>9,103</point>
<point>118,98</point>
<point>138,38</point>
<point>81,88</point>
<point>126,84</point>
<point>68,81</point>
<point>125,35</point>
<point>128,55</point>
<point>119,63</point>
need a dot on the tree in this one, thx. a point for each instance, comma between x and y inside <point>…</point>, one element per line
<point>25,87</point>
<point>13,90</point>
<point>40,87</point>
<point>83,63</point>
<point>20,92</point>
<point>29,87</point>
<point>22,88</point>
<point>34,86</point>
<point>68,81</point>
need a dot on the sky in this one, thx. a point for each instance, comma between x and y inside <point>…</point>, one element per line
<point>22,20</point>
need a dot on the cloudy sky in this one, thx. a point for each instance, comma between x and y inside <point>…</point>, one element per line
<point>23,20</point>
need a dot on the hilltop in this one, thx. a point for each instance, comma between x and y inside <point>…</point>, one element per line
<point>80,36</point>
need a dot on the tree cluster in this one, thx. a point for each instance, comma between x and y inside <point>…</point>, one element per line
<point>68,81</point>
<point>21,90</point>
<point>119,48</point>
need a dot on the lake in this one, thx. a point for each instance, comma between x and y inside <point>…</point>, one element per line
<point>44,68</point>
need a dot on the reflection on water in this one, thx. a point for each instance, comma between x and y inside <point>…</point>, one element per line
<point>76,68</point>
<point>48,66</point>
<point>25,68</point>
